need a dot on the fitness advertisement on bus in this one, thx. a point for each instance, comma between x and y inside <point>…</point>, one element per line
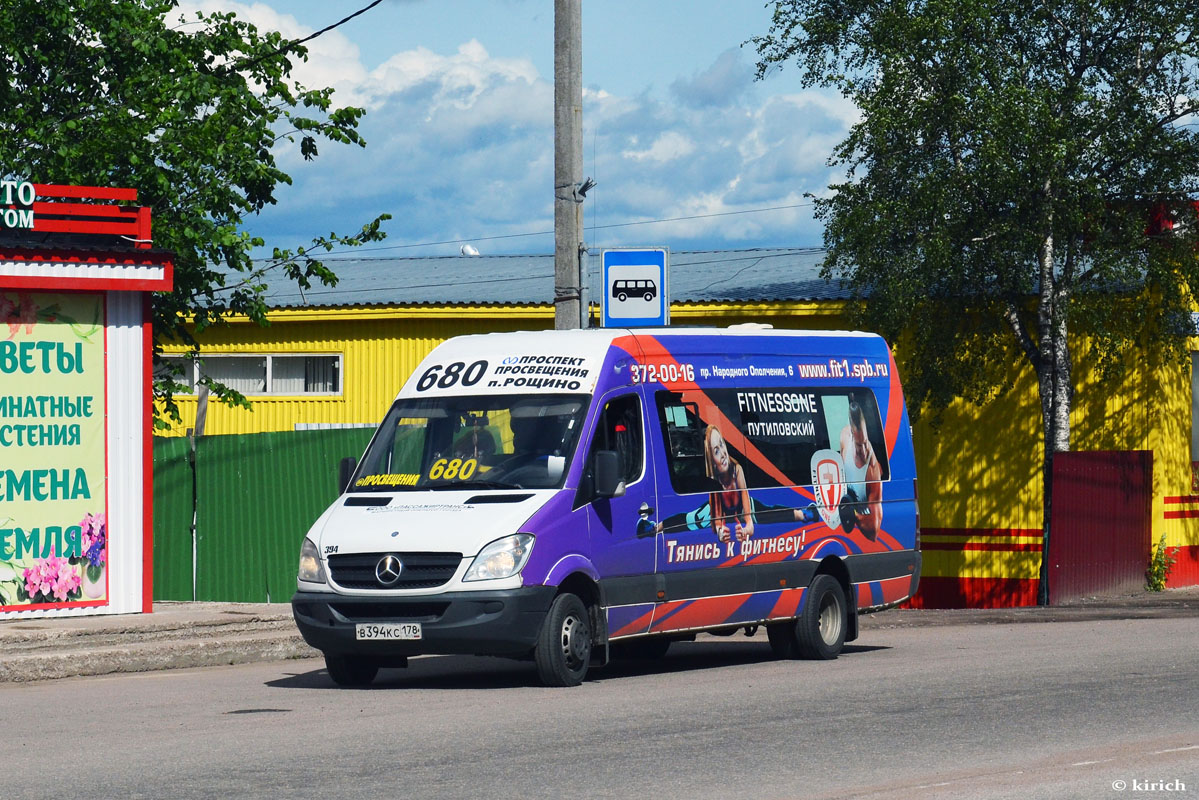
<point>53,499</point>
<point>751,454</point>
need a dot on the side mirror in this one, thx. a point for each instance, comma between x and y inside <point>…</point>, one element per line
<point>607,474</point>
<point>345,471</point>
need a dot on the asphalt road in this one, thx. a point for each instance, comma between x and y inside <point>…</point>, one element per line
<point>1048,710</point>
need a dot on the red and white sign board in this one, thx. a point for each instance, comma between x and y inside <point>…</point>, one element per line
<point>76,533</point>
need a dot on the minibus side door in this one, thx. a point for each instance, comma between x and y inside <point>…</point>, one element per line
<point>621,528</point>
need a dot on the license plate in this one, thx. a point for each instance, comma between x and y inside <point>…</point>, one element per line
<point>387,630</point>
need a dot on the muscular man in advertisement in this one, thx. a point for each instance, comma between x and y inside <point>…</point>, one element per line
<point>862,505</point>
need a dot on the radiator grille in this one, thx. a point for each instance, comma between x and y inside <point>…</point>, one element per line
<point>421,570</point>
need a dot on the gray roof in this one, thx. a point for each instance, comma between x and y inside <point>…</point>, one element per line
<point>695,276</point>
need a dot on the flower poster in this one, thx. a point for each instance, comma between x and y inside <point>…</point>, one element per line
<point>53,484</point>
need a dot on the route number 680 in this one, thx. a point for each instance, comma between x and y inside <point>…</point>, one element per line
<point>449,469</point>
<point>452,373</point>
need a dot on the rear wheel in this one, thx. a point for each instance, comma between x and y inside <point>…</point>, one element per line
<point>825,619</point>
<point>350,672</point>
<point>782,639</point>
<point>563,648</point>
<point>820,631</point>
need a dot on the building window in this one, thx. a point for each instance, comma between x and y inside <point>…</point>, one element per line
<point>246,374</point>
<point>259,375</point>
<point>305,374</point>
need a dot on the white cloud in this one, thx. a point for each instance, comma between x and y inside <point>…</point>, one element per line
<point>667,147</point>
<point>723,84</point>
<point>333,60</point>
<point>460,145</point>
<point>459,80</point>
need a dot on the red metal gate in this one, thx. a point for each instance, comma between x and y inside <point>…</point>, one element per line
<point>1101,523</point>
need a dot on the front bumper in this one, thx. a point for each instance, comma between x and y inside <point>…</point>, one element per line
<point>503,622</point>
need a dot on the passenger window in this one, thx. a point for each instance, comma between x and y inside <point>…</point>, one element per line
<point>684,433</point>
<point>620,430</point>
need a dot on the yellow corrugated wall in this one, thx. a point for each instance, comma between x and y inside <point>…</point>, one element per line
<point>979,467</point>
<point>980,487</point>
<point>382,346</point>
<point>379,347</point>
<point>1175,498</point>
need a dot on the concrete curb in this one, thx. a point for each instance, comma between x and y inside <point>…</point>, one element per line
<point>150,656</point>
<point>1170,604</point>
<point>174,636</point>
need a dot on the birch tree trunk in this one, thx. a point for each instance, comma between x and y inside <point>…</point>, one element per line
<point>1055,388</point>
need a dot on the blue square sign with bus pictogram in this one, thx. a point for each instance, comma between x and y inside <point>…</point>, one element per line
<point>636,291</point>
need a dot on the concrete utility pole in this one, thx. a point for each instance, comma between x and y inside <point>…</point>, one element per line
<point>568,162</point>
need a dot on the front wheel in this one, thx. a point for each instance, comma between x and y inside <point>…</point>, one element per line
<point>820,631</point>
<point>563,648</point>
<point>350,672</point>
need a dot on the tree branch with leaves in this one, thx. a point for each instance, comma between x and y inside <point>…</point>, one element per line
<point>999,182</point>
<point>193,113</point>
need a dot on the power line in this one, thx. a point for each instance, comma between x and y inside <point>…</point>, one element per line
<point>593,228</point>
<point>755,257</point>
<point>752,254</point>
<point>294,43</point>
<point>706,216</point>
<point>340,22</point>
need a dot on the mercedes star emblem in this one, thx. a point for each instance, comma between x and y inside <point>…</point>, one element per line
<point>388,570</point>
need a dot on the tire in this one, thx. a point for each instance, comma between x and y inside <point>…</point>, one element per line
<point>782,640</point>
<point>563,649</point>
<point>349,672</point>
<point>622,297</point>
<point>648,649</point>
<point>824,622</point>
<point>648,297</point>
<point>819,633</point>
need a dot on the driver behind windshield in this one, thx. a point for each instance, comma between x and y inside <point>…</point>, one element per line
<point>540,443</point>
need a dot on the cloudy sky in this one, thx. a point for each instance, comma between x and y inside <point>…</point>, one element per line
<point>688,150</point>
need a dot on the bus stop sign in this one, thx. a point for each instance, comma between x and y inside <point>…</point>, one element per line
<point>636,287</point>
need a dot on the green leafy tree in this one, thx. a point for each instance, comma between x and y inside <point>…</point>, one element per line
<point>191,112</point>
<point>1000,180</point>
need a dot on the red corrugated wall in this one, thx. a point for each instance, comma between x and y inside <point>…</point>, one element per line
<point>1101,523</point>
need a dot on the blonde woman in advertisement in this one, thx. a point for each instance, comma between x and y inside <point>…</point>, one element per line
<point>730,504</point>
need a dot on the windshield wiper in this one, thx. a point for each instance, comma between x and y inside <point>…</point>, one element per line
<point>478,485</point>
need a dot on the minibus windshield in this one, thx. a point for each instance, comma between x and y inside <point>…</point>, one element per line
<point>473,442</point>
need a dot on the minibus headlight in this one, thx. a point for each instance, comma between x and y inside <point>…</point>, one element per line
<point>502,558</point>
<point>311,569</point>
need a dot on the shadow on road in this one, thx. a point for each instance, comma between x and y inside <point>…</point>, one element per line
<point>474,672</point>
